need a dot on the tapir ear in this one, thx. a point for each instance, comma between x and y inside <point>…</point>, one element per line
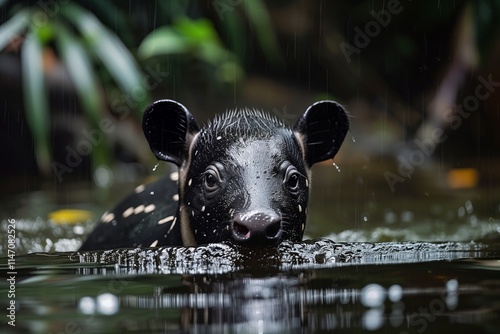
<point>322,128</point>
<point>169,128</point>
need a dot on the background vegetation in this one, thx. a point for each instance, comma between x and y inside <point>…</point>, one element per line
<point>76,75</point>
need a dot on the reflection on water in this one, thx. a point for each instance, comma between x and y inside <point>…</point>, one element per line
<point>310,287</point>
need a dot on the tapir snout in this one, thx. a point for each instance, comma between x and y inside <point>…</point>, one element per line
<point>262,227</point>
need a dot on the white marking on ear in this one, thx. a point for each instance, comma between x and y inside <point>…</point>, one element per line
<point>154,243</point>
<point>128,212</point>
<point>166,220</point>
<point>149,208</point>
<point>175,197</point>
<point>140,188</point>
<point>139,209</point>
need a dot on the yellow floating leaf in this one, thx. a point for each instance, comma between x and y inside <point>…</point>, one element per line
<point>69,216</point>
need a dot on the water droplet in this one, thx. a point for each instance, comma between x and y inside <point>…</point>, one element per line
<point>337,167</point>
<point>468,207</point>
<point>156,166</point>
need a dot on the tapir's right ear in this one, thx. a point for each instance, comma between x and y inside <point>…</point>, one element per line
<point>322,129</point>
<point>169,128</point>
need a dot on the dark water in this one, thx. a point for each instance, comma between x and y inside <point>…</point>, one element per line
<point>309,287</point>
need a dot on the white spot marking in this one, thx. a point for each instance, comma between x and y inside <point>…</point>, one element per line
<point>300,208</point>
<point>139,209</point>
<point>128,212</point>
<point>174,176</point>
<point>154,243</point>
<point>190,181</point>
<point>140,188</point>
<point>192,213</point>
<point>219,137</point>
<point>166,220</point>
<point>203,209</point>
<point>307,183</point>
<point>303,227</point>
<point>172,226</point>
<point>152,193</point>
<point>175,197</point>
<point>149,208</point>
<point>107,217</point>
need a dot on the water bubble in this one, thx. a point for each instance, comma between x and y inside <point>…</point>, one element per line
<point>461,212</point>
<point>337,167</point>
<point>87,305</point>
<point>468,207</point>
<point>78,229</point>
<point>452,285</point>
<point>107,303</point>
<point>103,177</point>
<point>395,293</point>
<point>372,295</point>
<point>373,319</point>
<point>390,217</point>
<point>407,216</point>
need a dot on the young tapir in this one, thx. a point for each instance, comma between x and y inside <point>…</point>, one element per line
<point>243,178</point>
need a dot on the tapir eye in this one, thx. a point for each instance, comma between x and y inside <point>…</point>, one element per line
<point>212,179</point>
<point>292,178</point>
<point>293,181</point>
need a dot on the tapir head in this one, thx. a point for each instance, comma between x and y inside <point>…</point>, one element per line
<point>245,177</point>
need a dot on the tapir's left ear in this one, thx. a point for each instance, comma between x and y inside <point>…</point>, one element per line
<point>322,128</point>
<point>169,128</point>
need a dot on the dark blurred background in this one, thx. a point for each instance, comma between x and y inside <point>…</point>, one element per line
<point>421,81</point>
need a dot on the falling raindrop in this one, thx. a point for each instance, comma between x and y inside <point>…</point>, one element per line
<point>337,167</point>
<point>156,166</point>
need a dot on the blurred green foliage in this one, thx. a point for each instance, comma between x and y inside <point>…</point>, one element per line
<point>81,35</point>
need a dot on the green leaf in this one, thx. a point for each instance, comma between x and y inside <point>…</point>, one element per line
<point>82,75</point>
<point>259,18</point>
<point>35,100</point>
<point>111,51</point>
<point>13,28</point>
<point>163,41</point>
<point>81,72</point>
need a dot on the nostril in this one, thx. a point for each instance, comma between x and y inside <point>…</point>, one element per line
<point>274,230</point>
<point>241,231</point>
